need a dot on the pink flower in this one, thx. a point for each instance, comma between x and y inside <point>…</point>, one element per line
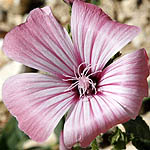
<point>61,143</point>
<point>96,97</point>
<point>149,69</point>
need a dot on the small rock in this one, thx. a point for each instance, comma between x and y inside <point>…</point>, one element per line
<point>10,69</point>
<point>60,10</point>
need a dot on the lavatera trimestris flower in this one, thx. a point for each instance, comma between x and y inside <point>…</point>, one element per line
<point>94,97</point>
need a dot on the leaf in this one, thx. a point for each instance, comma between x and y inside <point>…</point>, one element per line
<point>118,139</point>
<point>111,60</point>
<point>11,138</point>
<point>59,127</point>
<point>94,145</point>
<point>140,133</point>
<point>95,2</point>
<point>145,105</point>
<point>80,148</point>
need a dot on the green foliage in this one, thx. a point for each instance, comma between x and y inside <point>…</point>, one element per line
<point>118,139</point>
<point>111,60</point>
<point>94,145</point>
<point>38,148</point>
<point>11,138</point>
<point>146,99</point>
<point>59,127</point>
<point>139,132</point>
<point>69,30</point>
<point>145,105</point>
<point>79,148</point>
<point>95,2</point>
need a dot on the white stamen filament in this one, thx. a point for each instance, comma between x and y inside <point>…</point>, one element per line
<point>82,80</point>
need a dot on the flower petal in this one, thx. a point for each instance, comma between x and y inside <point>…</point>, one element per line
<point>79,124</point>
<point>61,142</point>
<point>38,102</point>
<point>42,43</point>
<point>121,90</point>
<point>96,37</point>
<point>89,117</point>
<point>125,81</point>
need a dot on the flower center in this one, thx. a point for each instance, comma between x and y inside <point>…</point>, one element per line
<point>82,81</point>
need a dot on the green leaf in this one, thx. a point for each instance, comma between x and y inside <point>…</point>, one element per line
<point>140,133</point>
<point>69,28</point>
<point>94,145</point>
<point>95,2</point>
<point>59,127</point>
<point>111,60</point>
<point>138,128</point>
<point>80,148</point>
<point>145,105</point>
<point>11,138</point>
<point>118,139</point>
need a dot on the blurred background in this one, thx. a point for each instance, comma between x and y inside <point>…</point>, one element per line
<point>14,12</point>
